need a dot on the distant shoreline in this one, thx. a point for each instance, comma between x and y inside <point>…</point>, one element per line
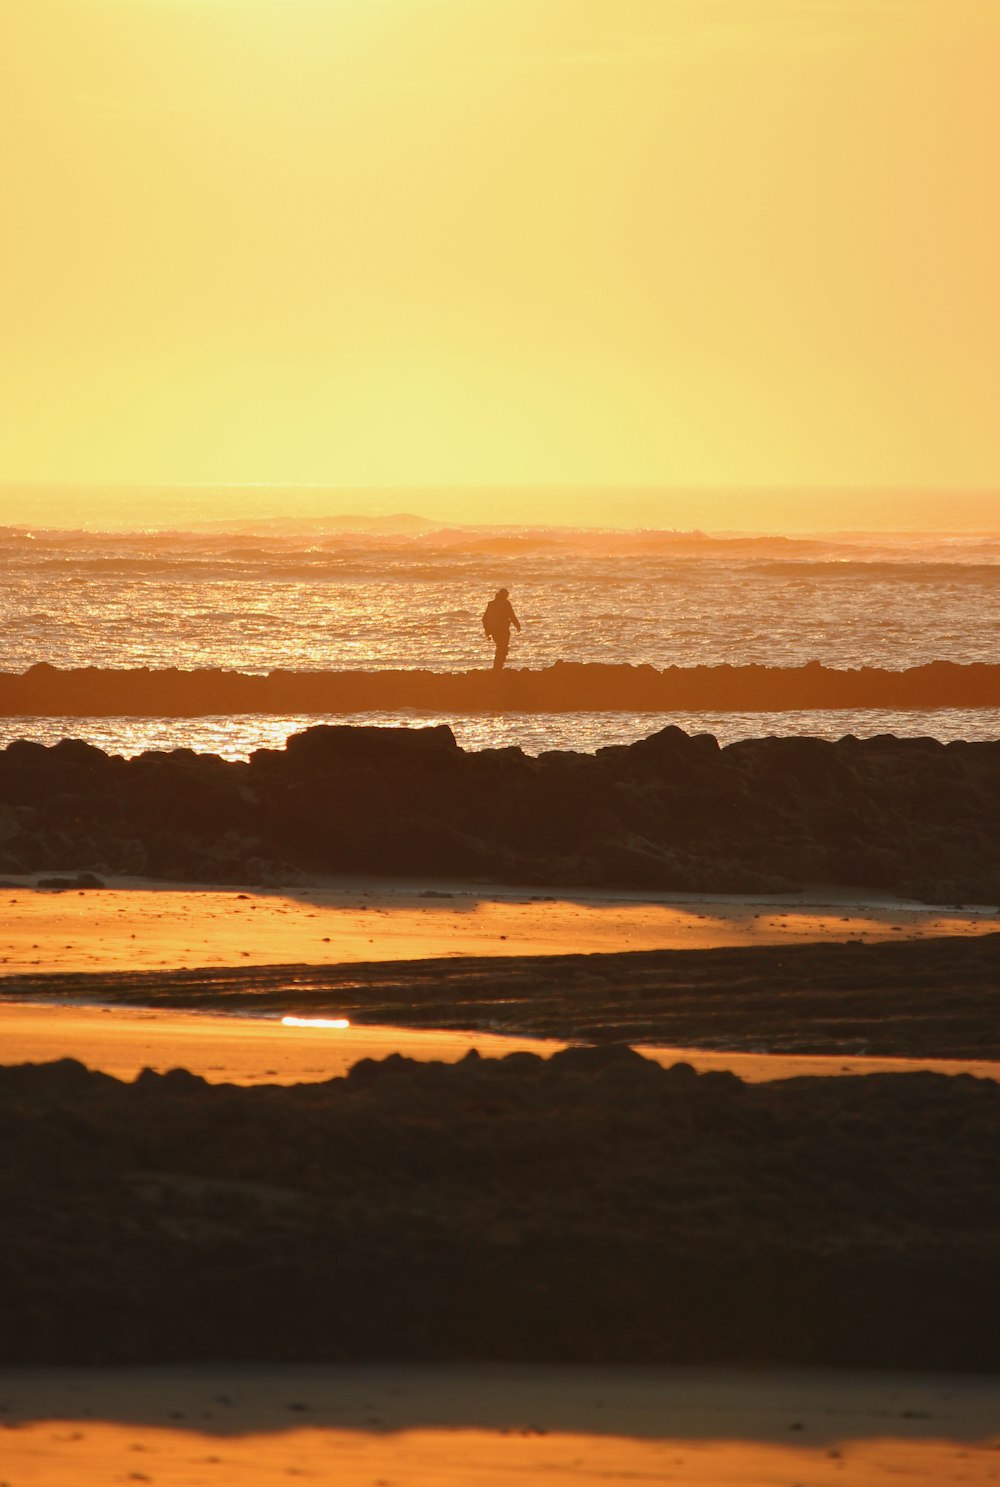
<point>567,686</point>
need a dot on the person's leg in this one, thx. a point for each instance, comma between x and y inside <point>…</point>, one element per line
<point>503,642</point>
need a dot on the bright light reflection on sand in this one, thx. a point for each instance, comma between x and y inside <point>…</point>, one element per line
<point>335,1022</point>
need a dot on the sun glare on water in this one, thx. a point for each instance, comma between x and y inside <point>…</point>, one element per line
<point>335,1022</point>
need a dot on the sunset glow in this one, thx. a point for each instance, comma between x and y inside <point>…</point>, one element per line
<point>500,546</point>
<point>502,243</point>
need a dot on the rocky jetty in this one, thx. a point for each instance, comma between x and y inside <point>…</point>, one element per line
<point>45,690</point>
<point>591,1207</point>
<point>671,812</point>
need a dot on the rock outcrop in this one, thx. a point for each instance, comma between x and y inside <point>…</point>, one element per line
<point>592,1207</point>
<point>671,812</point>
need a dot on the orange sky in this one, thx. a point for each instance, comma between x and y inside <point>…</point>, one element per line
<point>513,242</point>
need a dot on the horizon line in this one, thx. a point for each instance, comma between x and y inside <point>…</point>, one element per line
<point>322,485</point>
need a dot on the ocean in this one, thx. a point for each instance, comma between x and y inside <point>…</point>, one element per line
<point>302,596</point>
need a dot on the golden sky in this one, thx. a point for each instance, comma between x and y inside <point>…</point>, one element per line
<point>513,242</point>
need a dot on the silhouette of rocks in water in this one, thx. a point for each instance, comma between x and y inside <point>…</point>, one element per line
<point>564,687</point>
<point>592,1207</point>
<point>910,816</point>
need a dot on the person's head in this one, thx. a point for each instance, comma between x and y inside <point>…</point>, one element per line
<point>502,593</point>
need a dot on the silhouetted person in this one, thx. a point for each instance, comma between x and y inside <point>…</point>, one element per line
<point>498,617</point>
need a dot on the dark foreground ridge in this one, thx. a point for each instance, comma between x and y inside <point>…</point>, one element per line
<point>672,812</point>
<point>592,1207</point>
<point>567,686</point>
<point>926,999</point>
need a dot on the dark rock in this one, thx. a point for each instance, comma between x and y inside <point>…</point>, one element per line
<point>79,880</point>
<point>670,812</point>
<point>378,748</point>
<point>588,1207</point>
<point>76,751</point>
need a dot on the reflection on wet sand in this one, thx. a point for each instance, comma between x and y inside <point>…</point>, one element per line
<point>122,1041</point>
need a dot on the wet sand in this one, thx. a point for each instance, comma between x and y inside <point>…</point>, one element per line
<point>136,924</point>
<point>495,1426</point>
<point>892,996</point>
<point>122,1041</point>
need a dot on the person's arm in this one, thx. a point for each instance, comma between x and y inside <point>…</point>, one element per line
<point>516,622</point>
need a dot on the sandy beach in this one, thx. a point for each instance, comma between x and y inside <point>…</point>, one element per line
<point>141,924</point>
<point>426,1426</point>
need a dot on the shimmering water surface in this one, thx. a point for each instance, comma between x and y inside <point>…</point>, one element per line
<point>333,601</point>
<point>237,737</point>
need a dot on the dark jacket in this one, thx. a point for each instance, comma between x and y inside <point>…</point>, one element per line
<point>498,617</point>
